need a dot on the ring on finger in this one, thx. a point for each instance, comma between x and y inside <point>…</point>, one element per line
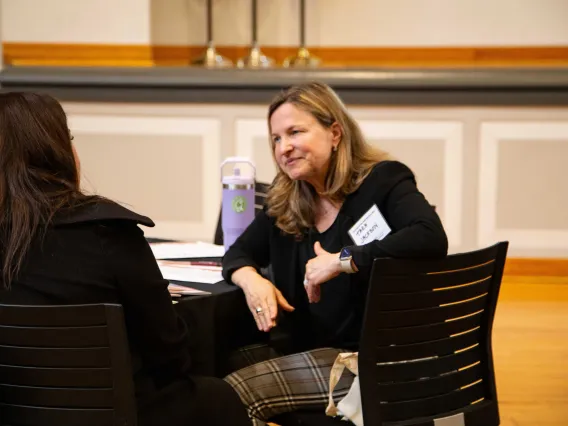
<point>306,282</point>
<point>258,310</point>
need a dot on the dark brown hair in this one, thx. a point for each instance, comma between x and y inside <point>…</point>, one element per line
<point>38,173</point>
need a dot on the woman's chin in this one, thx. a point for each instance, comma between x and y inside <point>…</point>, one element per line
<point>299,172</point>
<point>296,175</point>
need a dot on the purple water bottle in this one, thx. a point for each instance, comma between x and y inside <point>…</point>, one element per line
<point>238,200</point>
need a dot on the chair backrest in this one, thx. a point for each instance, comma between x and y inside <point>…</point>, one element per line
<point>425,356</point>
<point>261,189</point>
<point>65,365</point>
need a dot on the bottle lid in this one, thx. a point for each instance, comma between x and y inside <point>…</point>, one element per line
<point>237,178</point>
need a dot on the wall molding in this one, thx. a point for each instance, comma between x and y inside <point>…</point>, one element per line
<point>490,136</point>
<point>208,129</point>
<point>63,54</point>
<point>66,54</point>
<point>536,267</point>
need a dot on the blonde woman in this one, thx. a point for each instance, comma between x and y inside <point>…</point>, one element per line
<point>335,205</point>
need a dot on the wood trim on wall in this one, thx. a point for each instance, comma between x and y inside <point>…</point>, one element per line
<point>536,267</point>
<point>26,54</point>
<point>60,54</point>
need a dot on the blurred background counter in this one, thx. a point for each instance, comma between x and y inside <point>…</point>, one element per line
<point>472,95</point>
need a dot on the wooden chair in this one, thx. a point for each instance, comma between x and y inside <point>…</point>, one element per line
<point>65,365</point>
<point>425,356</point>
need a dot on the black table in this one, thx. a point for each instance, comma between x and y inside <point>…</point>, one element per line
<point>218,323</point>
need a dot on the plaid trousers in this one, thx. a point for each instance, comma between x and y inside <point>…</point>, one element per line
<point>278,385</point>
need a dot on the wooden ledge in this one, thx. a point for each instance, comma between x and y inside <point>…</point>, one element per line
<point>62,54</point>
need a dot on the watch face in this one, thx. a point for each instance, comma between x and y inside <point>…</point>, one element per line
<point>345,253</point>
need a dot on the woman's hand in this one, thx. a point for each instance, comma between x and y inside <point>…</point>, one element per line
<point>320,269</point>
<point>263,298</point>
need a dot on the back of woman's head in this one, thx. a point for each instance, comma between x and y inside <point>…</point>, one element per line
<point>35,143</point>
<point>292,202</point>
<point>38,173</point>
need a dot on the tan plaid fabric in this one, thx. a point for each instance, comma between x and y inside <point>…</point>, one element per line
<point>288,383</point>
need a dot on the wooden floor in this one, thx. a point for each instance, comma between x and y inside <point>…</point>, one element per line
<point>530,351</point>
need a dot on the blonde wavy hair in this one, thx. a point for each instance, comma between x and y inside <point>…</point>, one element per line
<point>292,202</point>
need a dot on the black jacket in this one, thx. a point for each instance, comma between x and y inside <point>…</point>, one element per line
<point>416,233</point>
<point>97,254</point>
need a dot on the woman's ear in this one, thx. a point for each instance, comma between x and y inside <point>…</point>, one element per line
<point>336,134</point>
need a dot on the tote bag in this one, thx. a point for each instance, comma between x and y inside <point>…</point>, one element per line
<point>350,406</point>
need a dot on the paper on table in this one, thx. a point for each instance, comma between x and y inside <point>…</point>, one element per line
<point>190,274</point>
<point>186,291</point>
<point>199,264</point>
<point>186,250</point>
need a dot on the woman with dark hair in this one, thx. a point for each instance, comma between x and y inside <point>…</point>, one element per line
<point>61,246</point>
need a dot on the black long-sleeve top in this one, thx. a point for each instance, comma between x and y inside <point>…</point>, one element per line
<point>416,232</point>
<point>98,254</point>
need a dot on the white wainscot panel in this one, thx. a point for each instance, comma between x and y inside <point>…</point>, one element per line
<point>204,130</point>
<point>488,231</point>
<point>251,138</point>
<point>423,132</point>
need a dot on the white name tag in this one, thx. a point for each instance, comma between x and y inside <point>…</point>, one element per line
<point>372,226</point>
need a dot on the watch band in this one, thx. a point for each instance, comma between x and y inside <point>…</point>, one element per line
<point>346,265</point>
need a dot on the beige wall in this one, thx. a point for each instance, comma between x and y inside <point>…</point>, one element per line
<point>330,22</point>
<point>76,21</point>
<point>493,173</point>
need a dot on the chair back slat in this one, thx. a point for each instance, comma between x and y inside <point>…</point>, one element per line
<point>41,416</point>
<point>63,337</point>
<point>484,413</point>
<point>424,388</point>
<point>422,368</point>
<point>57,377</point>
<point>440,280</point>
<point>398,411</point>
<point>426,299</point>
<point>439,347</point>
<point>424,333</point>
<point>425,351</point>
<point>56,397</point>
<point>65,365</point>
<point>123,402</point>
<point>52,316</point>
<point>261,192</point>
<point>432,315</point>
<point>54,357</point>
<point>450,263</point>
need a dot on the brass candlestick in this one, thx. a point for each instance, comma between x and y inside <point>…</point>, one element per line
<point>303,57</point>
<point>255,58</point>
<point>211,58</point>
